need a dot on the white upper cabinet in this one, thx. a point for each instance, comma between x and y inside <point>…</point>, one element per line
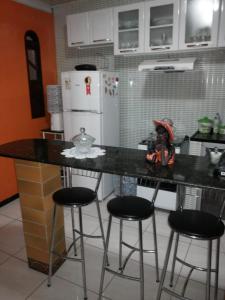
<point>161,25</point>
<point>199,23</point>
<point>129,29</point>
<point>77,30</point>
<point>221,40</point>
<point>89,28</point>
<point>101,26</point>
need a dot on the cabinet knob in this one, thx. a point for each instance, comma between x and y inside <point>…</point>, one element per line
<point>198,45</point>
<point>160,48</point>
<point>128,50</point>
<point>77,43</point>
<point>101,40</point>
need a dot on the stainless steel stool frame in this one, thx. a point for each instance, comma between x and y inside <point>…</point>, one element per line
<point>133,249</point>
<point>80,232</point>
<point>209,269</point>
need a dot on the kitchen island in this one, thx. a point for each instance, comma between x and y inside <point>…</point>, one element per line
<point>38,162</point>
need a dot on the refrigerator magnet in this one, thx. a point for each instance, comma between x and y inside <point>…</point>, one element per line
<point>87,81</point>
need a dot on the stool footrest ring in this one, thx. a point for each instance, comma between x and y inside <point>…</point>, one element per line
<point>137,249</point>
<point>192,266</point>
<point>68,257</point>
<point>122,275</point>
<point>88,235</point>
<point>172,293</point>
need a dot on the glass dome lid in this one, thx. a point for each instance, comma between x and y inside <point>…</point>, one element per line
<point>83,141</point>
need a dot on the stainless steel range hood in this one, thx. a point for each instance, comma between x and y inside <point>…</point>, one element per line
<point>168,65</point>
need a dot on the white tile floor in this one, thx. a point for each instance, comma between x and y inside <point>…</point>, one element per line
<point>17,281</point>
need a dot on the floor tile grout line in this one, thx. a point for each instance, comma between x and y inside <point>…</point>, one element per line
<point>12,220</point>
<point>77,284</point>
<point>35,289</point>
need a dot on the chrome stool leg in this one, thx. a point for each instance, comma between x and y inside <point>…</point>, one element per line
<point>82,253</point>
<point>101,226</point>
<point>141,262</point>
<point>217,269</point>
<point>156,248</point>
<point>73,229</point>
<point>174,260</point>
<point>120,246</point>
<point>165,266</point>
<point>208,276</point>
<point>105,258</point>
<point>52,246</point>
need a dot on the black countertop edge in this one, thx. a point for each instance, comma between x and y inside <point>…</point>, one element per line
<point>189,170</point>
<point>208,138</point>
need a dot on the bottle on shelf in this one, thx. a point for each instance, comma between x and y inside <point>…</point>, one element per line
<point>216,123</point>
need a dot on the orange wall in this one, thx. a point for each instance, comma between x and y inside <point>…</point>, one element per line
<point>15,113</point>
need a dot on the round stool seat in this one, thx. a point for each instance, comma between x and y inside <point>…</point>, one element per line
<point>130,208</point>
<point>78,196</point>
<point>196,224</point>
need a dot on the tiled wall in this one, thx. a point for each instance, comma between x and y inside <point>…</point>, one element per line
<point>145,96</point>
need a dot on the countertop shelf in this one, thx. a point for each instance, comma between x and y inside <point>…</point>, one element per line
<point>208,138</point>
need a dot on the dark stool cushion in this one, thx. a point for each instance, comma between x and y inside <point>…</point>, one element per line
<point>196,224</point>
<point>130,208</point>
<point>78,196</point>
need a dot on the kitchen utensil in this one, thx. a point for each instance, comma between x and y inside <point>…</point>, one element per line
<point>83,141</point>
<point>220,168</point>
<point>214,155</point>
<point>205,125</point>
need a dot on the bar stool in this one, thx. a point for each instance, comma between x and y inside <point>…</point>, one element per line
<point>198,225</point>
<point>130,208</point>
<point>75,197</point>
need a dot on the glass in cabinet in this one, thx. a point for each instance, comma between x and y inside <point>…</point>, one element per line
<point>161,24</point>
<point>221,40</point>
<point>129,29</point>
<point>199,23</point>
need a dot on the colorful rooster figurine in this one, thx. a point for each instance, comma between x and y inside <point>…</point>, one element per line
<point>162,150</point>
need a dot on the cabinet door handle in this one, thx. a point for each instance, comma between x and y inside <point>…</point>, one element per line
<point>198,45</point>
<point>160,48</point>
<point>77,43</point>
<point>127,51</point>
<point>101,40</point>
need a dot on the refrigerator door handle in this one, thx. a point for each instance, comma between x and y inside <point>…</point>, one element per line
<point>84,110</point>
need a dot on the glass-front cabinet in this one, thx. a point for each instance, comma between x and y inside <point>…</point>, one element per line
<point>199,23</point>
<point>161,25</point>
<point>129,29</point>
<point>221,40</point>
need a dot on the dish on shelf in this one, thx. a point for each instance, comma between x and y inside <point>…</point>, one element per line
<point>128,25</point>
<point>161,21</point>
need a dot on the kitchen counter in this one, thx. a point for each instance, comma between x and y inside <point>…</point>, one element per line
<point>38,165</point>
<point>209,138</point>
<point>188,170</point>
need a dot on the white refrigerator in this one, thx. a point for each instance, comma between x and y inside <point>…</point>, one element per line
<point>90,100</point>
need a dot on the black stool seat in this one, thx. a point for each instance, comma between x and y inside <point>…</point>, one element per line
<point>196,224</point>
<point>78,196</point>
<point>130,208</point>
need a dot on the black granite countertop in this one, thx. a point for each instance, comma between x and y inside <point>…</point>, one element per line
<point>187,169</point>
<point>208,138</point>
